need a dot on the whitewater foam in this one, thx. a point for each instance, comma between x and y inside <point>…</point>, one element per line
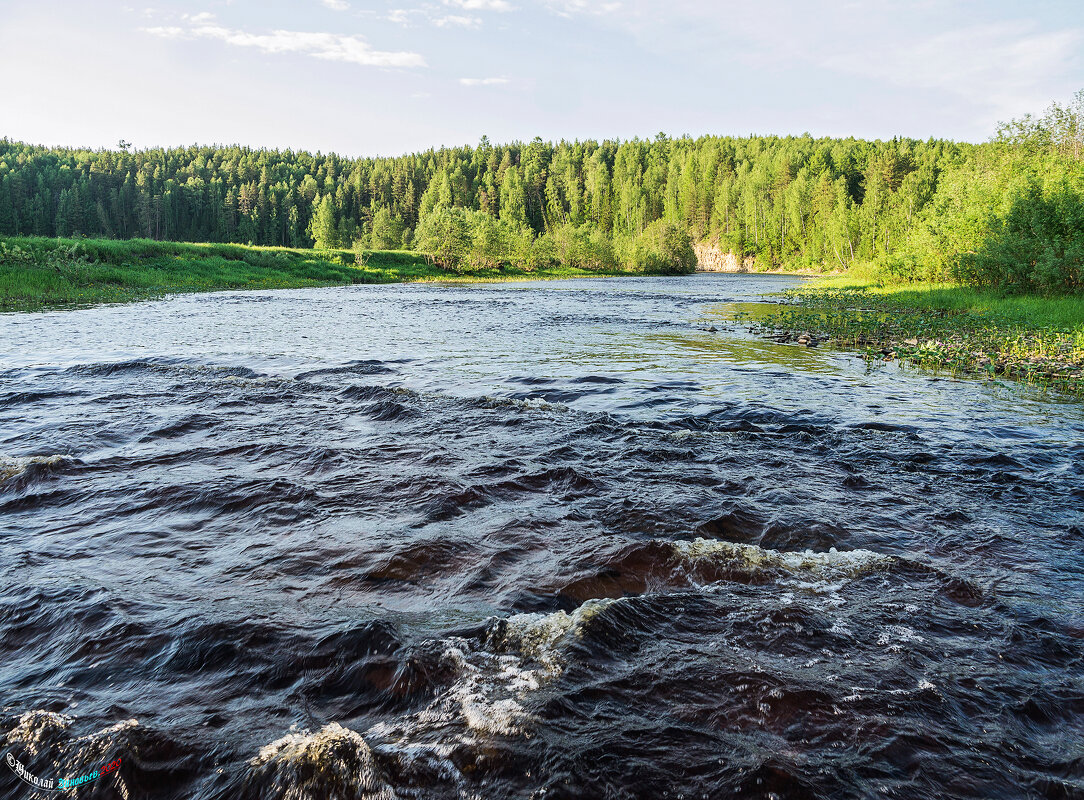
<point>539,636</point>
<point>11,466</point>
<point>833,564</point>
<point>38,729</point>
<point>332,762</point>
<point>491,693</point>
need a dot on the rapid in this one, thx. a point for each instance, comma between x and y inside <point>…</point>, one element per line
<point>581,539</point>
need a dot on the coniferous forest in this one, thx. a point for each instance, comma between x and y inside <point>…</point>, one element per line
<point>1008,213</point>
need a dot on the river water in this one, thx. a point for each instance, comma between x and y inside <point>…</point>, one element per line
<point>535,540</point>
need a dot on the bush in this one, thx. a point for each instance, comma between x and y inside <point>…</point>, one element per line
<point>444,237</point>
<point>266,259</point>
<point>673,248</point>
<point>662,249</point>
<point>1037,246</point>
<point>584,247</point>
<point>487,243</point>
<point>542,253</point>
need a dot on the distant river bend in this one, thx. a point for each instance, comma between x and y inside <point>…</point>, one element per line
<point>538,540</point>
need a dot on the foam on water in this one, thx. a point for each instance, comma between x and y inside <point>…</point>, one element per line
<point>11,466</point>
<point>46,735</point>
<point>491,694</point>
<point>332,762</point>
<point>37,730</point>
<point>492,688</point>
<point>539,635</point>
<point>823,566</point>
<point>527,404</point>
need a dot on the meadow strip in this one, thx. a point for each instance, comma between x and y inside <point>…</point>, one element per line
<point>942,327</point>
<point>38,273</point>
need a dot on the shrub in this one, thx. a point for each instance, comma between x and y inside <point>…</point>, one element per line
<point>662,249</point>
<point>487,249</point>
<point>1037,246</point>
<point>387,230</point>
<point>444,237</point>
<point>584,247</point>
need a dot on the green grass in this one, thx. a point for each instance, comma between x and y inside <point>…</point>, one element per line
<point>37,273</point>
<point>944,327</point>
<point>1037,311</point>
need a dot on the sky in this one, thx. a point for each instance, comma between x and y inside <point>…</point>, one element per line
<point>365,78</point>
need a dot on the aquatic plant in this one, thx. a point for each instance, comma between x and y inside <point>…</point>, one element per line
<point>944,328</point>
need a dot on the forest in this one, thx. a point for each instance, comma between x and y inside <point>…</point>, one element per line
<point>1008,213</point>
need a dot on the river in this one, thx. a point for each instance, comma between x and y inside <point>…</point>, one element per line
<point>527,540</point>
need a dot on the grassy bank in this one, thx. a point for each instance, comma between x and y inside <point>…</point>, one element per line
<point>945,327</point>
<point>38,273</point>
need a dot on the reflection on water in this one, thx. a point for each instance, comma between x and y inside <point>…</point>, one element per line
<point>523,541</point>
<point>749,353</point>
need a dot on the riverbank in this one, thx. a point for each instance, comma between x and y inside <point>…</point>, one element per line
<point>942,327</point>
<point>38,273</point>
<point>801,272</point>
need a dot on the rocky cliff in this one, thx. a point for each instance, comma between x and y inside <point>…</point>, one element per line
<point>709,258</point>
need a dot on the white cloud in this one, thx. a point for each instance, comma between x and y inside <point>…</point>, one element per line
<point>484,81</point>
<point>480,5</point>
<point>568,8</point>
<point>167,32</point>
<point>932,50</point>
<point>336,5</point>
<point>1008,67</point>
<point>430,13</point>
<point>400,16</point>
<point>457,21</point>
<point>326,46</point>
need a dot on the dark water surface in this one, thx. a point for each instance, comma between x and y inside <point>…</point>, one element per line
<point>547,540</point>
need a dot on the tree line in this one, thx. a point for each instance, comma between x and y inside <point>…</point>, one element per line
<point>1005,212</point>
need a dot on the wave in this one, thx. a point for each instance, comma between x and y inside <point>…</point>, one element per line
<point>46,740</point>
<point>661,566</point>
<point>167,365</point>
<point>492,678</point>
<point>362,367</point>
<point>37,730</point>
<point>489,694</point>
<point>829,565</point>
<point>490,697</point>
<point>523,404</point>
<point>332,762</point>
<point>35,396</point>
<point>13,466</point>
<point>540,636</point>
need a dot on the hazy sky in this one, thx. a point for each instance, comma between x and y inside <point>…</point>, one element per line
<point>369,78</point>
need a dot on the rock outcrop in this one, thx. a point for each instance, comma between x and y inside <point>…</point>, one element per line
<point>709,258</point>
